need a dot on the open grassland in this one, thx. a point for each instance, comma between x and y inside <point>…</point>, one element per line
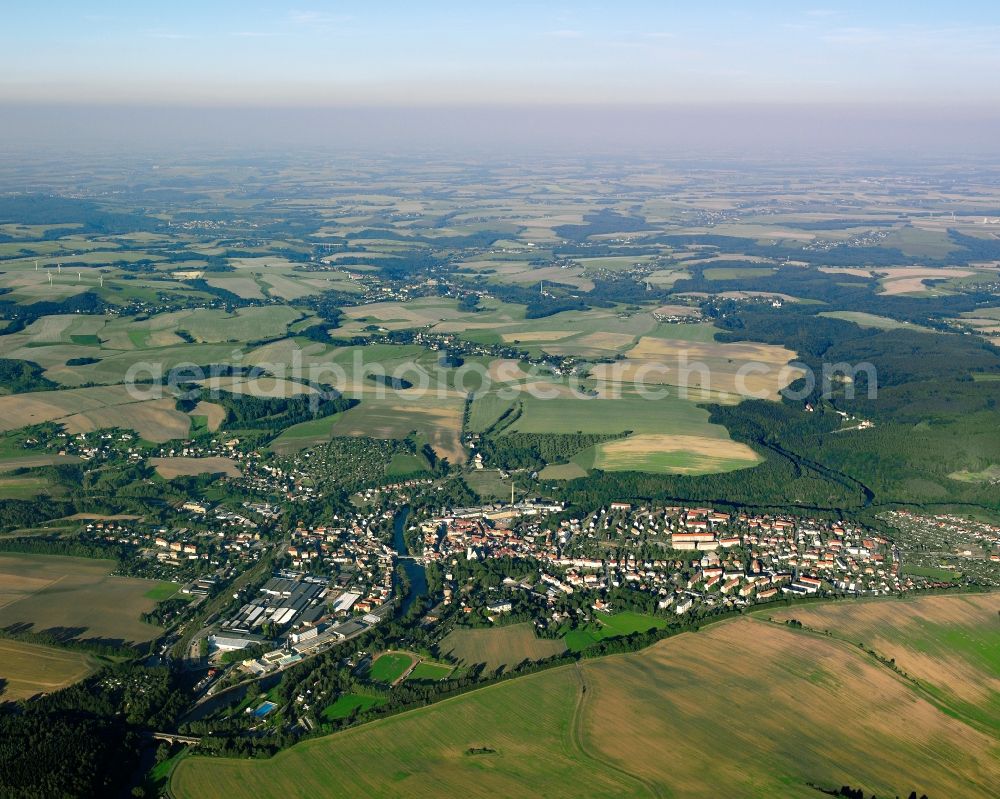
<point>562,471</point>
<point>949,644</point>
<point>29,669</point>
<point>674,454</point>
<point>991,474</point>
<point>170,468</point>
<point>488,483</point>
<point>608,625</point>
<point>25,486</point>
<point>744,708</point>
<point>346,704</point>
<point>73,598</point>
<point>498,646</point>
<point>303,435</point>
<point>863,319</point>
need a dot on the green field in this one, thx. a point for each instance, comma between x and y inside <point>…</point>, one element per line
<point>403,463</point>
<point>162,591</point>
<point>25,486</point>
<point>347,704</point>
<point>606,625</point>
<point>766,710</point>
<point>426,671</point>
<point>498,646</point>
<point>390,667</point>
<point>488,483</point>
<point>303,435</point>
<point>736,273</point>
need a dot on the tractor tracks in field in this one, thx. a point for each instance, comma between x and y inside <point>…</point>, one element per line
<point>578,738</point>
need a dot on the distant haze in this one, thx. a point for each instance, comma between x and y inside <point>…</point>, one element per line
<point>912,78</point>
<point>724,131</point>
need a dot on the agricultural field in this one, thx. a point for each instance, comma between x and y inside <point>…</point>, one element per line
<point>668,435</point>
<point>726,372</point>
<point>498,646</point>
<point>30,669</point>
<point>85,409</point>
<point>169,468</point>
<point>949,644</point>
<point>908,280</point>
<point>674,455</point>
<point>74,598</point>
<point>598,728</point>
<point>863,319</point>
<point>438,421</point>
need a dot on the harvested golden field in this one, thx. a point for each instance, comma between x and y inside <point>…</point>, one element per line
<point>214,414</point>
<point>537,336</point>
<point>677,310</point>
<point>245,287</point>
<point>676,454</point>
<point>729,371</point>
<point>498,646</point>
<point>744,708</point>
<point>29,669</point>
<point>86,409</point>
<point>950,644</point>
<point>903,279</point>
<point>155,420</point>
<point>73,598</point>
<point>264,386</point>
<point>169,468</point>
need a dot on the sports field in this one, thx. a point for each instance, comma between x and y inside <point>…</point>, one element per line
<point>498,646</point>
<point>74,598</point>
<point>390,667</point>
<point>653,723</point>
<point>428,671</point>
<point>29,669</point>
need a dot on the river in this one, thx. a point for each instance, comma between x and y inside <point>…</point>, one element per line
<point>414,571</point>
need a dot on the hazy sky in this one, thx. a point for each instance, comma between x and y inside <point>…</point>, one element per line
<point>406,53</point>
<point>765,77</point>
